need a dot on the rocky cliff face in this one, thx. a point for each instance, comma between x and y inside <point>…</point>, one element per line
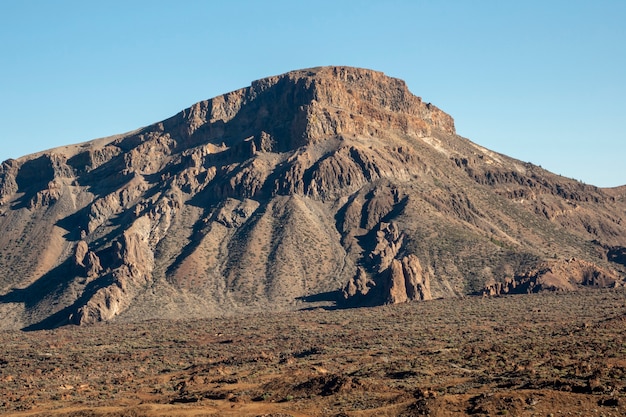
<point>327,185</point>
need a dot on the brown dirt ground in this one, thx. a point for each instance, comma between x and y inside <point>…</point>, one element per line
<point>532,355</point>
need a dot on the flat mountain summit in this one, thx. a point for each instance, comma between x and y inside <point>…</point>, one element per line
<point>331,186</point>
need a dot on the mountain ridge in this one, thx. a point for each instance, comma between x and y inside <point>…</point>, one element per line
<point>333,184</point>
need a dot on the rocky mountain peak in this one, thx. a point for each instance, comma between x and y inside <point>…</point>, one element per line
<point>331,186</point>
<point>305,106</point>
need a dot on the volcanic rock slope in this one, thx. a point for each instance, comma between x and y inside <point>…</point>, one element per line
<point>331,185</point>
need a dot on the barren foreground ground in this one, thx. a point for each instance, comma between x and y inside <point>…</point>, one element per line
<point>545,354</point>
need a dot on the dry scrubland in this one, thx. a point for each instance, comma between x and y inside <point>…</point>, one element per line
<point>542,354</point>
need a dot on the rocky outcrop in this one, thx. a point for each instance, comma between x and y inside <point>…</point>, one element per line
<point>39,178</point>
<point>396,284</point>
<point>565,275</point>
<point>87,259</point>
<point>359,286</point>
<point>407,281</point>
<point>8,182</point>
<point>234,213</point>
<point>102,209</point>
<point>389,240</point>
<point>416,279</point>
<point>113,292</point>
<point>103,305</point>
<point>39,172</point>
<point>397,279</point>
<point>341,106</point>
<point>93,158</point>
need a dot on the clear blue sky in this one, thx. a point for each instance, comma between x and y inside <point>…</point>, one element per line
<point>542,81</point>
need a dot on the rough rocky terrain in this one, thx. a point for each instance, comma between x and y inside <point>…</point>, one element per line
<point>545,354</point>
<point>326,186</point>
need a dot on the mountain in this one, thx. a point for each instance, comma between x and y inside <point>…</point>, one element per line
<point>330,186</point>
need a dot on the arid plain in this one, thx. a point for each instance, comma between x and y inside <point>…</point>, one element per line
<point>546,354</point>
